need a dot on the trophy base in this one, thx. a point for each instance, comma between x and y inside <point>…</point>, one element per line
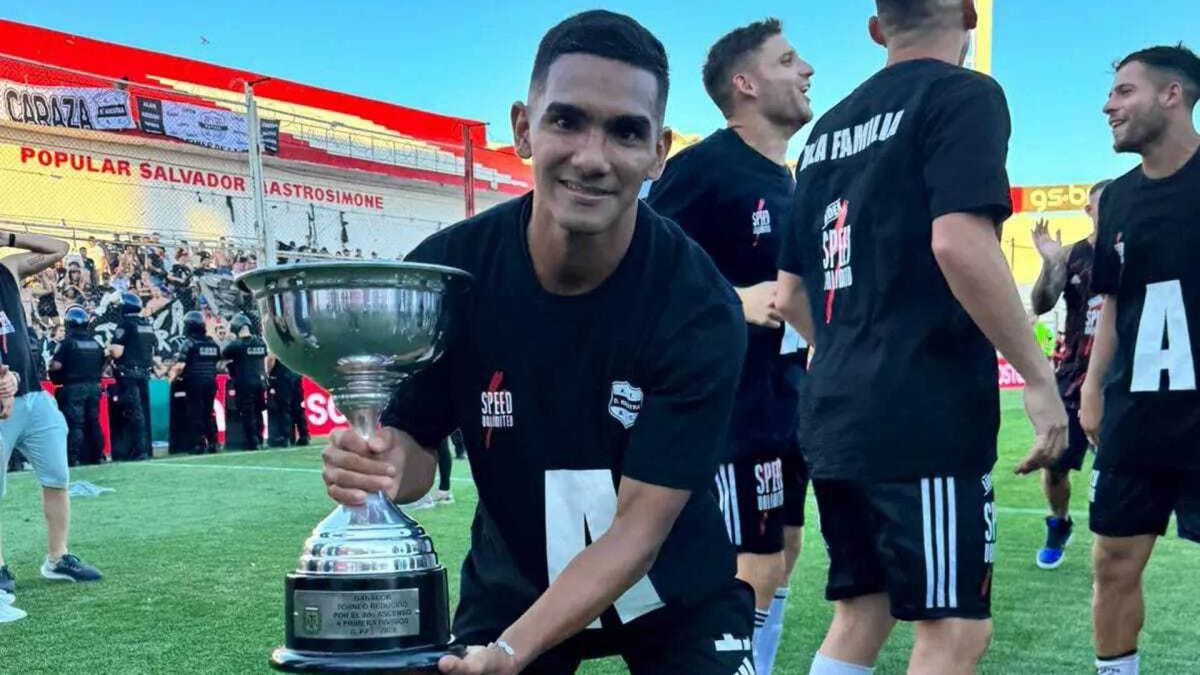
<point>393,662</point>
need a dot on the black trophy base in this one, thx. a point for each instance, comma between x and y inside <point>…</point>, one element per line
<point>396,662</point>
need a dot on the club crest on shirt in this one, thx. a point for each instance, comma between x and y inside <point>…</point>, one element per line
<point>760,220</point>
<point>624,403</point>
<point>6,326</point>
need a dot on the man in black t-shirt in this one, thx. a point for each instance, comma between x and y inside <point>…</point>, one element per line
<point>1067,272</point>
<point>1139,402</point>
<point>731,193</point>
<point>245,356</point>
<point>892,249</point>
<point>593,381</point>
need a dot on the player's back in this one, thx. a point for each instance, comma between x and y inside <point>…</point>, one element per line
<point>903,382</point>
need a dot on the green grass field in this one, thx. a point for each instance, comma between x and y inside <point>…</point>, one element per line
<point>195,550</point>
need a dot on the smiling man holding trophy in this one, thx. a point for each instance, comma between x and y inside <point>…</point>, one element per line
<point>592,377</point>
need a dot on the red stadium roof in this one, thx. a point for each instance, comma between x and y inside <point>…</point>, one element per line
<point>153,69</point>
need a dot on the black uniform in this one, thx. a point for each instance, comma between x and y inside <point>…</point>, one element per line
<point>287,423</point>
<point>1148,462</point>
<point>246,375</point>
<point>82,359</point>
<point>130,411</point>
<point>1083,311</point>
<point>196,387</point>
<point>902,390</point>
<point>558,398</point>
<point>732,201</point>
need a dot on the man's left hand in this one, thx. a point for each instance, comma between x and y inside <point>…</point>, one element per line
<point>479,661</point>
<point>8,384</point>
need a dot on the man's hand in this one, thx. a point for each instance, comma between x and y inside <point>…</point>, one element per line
<point>1091,412</point>
<point>1050,249</point>
<point>479,661</point>
<point>758,303</point>
<point>8,389</point>
<point>1049,418</point>
<point>356,467</point>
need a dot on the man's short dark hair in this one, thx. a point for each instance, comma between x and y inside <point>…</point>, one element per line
<point>910,15</point>
<point>728,53</point>
<point>607,35</point>
<point>1175,62</point>
<point>1099,186</point>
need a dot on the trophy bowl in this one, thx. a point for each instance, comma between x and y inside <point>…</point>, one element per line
<point>369,593</point>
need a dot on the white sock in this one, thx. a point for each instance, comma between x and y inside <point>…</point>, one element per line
<point>1126,665</point>
<point>823,665</point>
<point>766,640</point>
<point>760,619</point>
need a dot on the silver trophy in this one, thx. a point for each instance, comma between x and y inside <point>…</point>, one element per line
<point>369,594</point>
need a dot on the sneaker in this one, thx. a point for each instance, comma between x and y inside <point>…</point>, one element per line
<point>1058,535</point>
<point>8,613</point>
<point>8,585</point>
<point>443,497</point>
<point>70,568</point>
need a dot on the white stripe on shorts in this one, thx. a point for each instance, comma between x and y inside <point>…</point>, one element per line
<point>928,539</point>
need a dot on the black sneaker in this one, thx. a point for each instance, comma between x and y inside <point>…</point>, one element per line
<point>7,583</point>
<point>70,568</point>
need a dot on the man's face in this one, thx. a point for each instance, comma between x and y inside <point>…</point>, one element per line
<point>594,133</point>
<point>1093,208</point>
<point>1134,109</point>
<point>781,80</point>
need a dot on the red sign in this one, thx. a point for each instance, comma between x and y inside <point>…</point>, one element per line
<point>1009,377</point>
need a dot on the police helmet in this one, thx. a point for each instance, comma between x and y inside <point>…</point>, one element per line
<point>76,319</point>
<point>239,322</point>
<point>130,303</point>
<point>193,324</point>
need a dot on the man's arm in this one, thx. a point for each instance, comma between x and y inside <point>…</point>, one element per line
<point>1053,277</point>
<point>1104,346</point>
<point>594,580</point>
<point>791,301</point>
<point>42,252</point>
<point>391,461</point>
<point>968,252</point>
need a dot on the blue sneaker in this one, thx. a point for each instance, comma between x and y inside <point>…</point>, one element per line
<point>1058,535</point>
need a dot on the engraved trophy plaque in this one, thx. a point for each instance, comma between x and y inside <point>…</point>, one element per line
<point>369,594</point>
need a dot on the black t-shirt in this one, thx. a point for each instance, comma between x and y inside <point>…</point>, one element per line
<point>136,335</point>
<point>246,358</point>
<point>14,335</point>
<point>82,359</point>
<point>1083,311</point>
<point>903,383</point>
<point>1146,255</point>
<point>558,397</point>
<point>732,201</point>
<point>200,357</point>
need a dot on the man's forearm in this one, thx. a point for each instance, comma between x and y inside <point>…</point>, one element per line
<point>970,259</point>
<point>793,306</point>
<point>416,470</point>
<point>1049,286</point>
<point>591,583</point>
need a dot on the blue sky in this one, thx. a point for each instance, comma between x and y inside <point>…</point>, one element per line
<point>472,58</point>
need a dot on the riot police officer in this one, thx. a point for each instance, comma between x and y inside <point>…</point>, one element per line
<point>195,372</point>
<point>286,420</point>
<point>76,368</point>
<point>132,352</point>
<point>245,355</point>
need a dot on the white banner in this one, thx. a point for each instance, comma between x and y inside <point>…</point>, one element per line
<point>75,107</point>
<point>211,127</point>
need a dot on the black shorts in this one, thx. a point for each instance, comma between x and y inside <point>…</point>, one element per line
<point>928,543</point>
<point>1077,445</point>
<point>795,489</point>
<point>750,493</point>
<point>1128,503</point>
<point>712,637</point>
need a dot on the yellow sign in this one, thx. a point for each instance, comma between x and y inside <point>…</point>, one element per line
<point>1052,198</point>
